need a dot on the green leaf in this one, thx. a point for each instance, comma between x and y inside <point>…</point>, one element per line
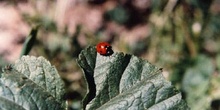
<point>218,61</point>
<point>8,105</point>
<point>32,84</point>
<point>118,14</point>
<point>196,83</point>
<point>124,82</point>
<point>29,42</point>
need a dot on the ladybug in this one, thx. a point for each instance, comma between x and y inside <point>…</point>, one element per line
<point>104,49</point>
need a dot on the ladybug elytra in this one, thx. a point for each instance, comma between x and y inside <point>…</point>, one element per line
<point>104,49</point>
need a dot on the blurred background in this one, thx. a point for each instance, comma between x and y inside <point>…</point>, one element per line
<point>180,36</point>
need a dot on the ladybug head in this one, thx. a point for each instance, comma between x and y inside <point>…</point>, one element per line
<point>109,51</point>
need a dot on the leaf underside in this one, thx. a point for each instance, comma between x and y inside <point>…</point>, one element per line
<point>31,84</point>
<point>126,82</point>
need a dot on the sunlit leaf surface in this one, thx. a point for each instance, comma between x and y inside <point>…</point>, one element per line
<point>31,84</point>
<point>126,82</point>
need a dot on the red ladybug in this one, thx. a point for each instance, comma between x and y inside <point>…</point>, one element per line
<point>104,49</point>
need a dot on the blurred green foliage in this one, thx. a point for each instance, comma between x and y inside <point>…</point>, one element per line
<point>29,42</point>
<point>118,14</point>
<point>196,82</point>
